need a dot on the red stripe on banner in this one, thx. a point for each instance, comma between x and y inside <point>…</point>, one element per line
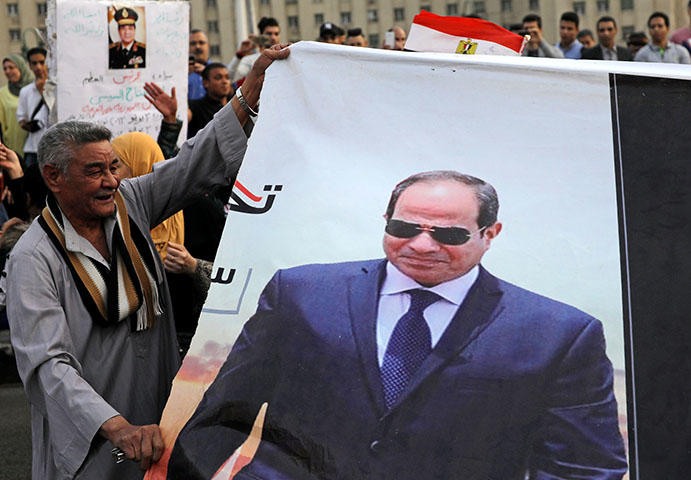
<point>244,190</point>
<point>470,27</point>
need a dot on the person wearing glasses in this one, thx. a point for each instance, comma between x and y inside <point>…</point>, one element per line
<point>606,49</point>
<point>418,365</point>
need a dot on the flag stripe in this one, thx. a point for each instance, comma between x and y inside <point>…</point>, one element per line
<point>474,28</point>
<point>424,39</point>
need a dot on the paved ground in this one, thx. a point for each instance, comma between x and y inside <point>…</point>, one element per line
<point>15,433</point>
<point>15,426</point>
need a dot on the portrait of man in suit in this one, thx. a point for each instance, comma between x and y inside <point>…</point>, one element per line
<point>127,52</point>
<point>420,365</point>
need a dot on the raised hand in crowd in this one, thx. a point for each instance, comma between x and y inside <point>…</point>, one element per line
<point>246,47</point>
<point>164,103</point>
<point>196,67</point>
<point>179,260</point>
<point>9,161</point>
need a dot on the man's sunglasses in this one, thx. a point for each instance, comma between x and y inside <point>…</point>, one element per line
<point>443,235</point>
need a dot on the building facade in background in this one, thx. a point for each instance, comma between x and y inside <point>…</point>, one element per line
<point>300,19</point>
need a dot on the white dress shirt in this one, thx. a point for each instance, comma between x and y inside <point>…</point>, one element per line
<point>394,302</point>
<point>29,98</point>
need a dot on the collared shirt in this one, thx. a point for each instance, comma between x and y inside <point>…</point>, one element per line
<point>573,50</point>
<point>609,53</point>
<point>681,36</point>
<point>76,243</point>
<point>29,98</point>
<point>195,88</point>
<point>672,53</point>
<point>394,302</point>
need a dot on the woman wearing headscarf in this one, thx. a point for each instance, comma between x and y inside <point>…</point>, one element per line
<point>137,153</point>
<point>18,75</point>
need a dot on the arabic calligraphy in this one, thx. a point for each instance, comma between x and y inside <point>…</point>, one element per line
<point>218,277</point>
<point>92,79</point>
<point>238,204</point>
<point>126,78</point>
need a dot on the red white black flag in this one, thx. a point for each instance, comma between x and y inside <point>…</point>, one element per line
<point>468,36</point>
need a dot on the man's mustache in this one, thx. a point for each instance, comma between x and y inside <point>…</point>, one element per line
<point>433,256</point>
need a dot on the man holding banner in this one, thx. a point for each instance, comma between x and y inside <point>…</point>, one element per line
<point>87,300</point>
<point>420,365</point>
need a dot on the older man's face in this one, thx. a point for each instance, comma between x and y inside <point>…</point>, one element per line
<point>443,203</point>
<point>86,193</point>
<point>199,46</point>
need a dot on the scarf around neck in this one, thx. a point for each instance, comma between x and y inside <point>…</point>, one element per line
<point>125,289</point>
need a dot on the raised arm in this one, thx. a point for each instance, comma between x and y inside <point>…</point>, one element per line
<point>211,158</point>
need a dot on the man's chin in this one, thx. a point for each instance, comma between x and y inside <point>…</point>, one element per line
<point>423,273</point>
<point>104,207</point>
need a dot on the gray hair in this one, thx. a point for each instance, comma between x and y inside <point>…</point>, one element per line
<point>58,144</point>
<point>484,192</point>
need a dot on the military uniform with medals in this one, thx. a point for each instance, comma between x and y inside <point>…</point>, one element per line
<point>120,57</point>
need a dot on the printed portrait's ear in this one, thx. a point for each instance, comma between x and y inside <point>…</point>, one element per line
<point>52,175</point>
<point>492,231</point>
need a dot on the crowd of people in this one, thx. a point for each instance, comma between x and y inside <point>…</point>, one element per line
<point>107,262</point>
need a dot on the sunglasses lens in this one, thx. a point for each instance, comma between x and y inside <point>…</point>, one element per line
<point>450,235</point>
<point>401,229</point>
<point>444,235</point>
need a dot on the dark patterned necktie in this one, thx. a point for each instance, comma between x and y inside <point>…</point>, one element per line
<point>409,345</point>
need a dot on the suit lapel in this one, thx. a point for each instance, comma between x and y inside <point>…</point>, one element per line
<point>477,311</point>
<point>363,298</point>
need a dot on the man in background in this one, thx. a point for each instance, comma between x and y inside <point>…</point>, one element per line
<point>682,36</point>
<point>270,34</point>
<point>606,49</point>
<point>660,49</point>
<point>199,58</point>
<point>399,39</point>
<point>216,83</point>
<point>568,31</point>
<point>356,38</point>
<point>636,41</point>
<point>537,46</point>
<point>331,33</point>
<point>586,38</point>
<point>32,111</point>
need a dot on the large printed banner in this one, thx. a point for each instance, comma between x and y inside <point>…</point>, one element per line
<point>339,127</point>
<point>107,50</point>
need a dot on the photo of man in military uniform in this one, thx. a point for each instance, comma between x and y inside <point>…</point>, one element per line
<point>126,53</point>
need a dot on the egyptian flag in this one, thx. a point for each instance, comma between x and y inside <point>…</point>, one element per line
<point>468,36</point>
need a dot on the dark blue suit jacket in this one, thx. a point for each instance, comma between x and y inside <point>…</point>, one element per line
<point>517,383</point>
